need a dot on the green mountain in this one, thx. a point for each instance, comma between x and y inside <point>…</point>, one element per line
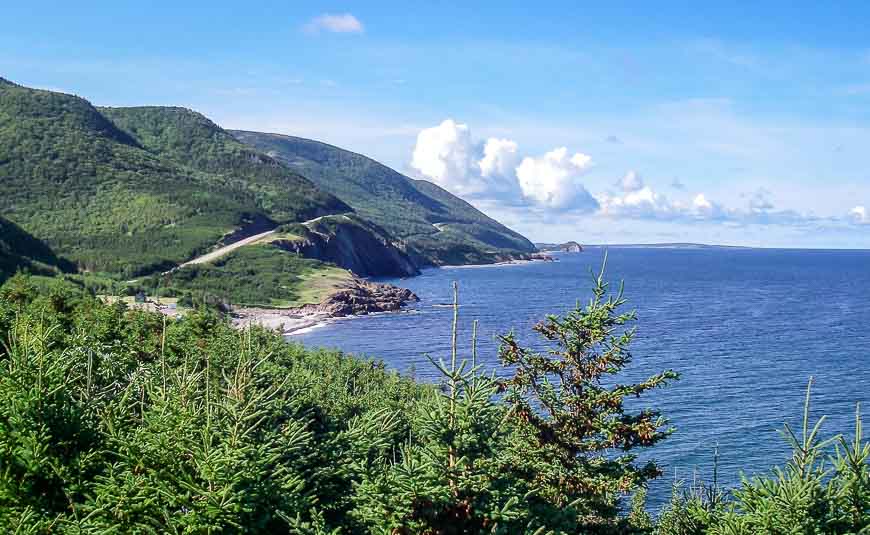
<point>137,191</point>
<point>190,139</point>
<point>139,197</point>
<point>434,226</point>
<point>21,251</point>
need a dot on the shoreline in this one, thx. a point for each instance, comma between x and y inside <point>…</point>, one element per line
<point>515,262</point>
<point>288,321</point>
<point>300,320</point>
<point>358,297</point>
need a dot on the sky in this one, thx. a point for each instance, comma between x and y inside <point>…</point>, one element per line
<point>742,123</point>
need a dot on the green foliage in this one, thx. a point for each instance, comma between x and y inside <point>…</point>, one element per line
<point>110,202</point>
<point>21,251</point>
<point>122,421</point>
<point>254,275</point>
<point>817,491</point>
<point>116,421</point>
<point>582,437</point>
<point>408,209</point>
<point>190,139</point>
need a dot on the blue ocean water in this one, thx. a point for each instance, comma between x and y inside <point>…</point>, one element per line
<point>746,328</point>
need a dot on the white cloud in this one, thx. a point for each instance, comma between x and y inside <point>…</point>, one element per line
<point>336,23</point>
<point>498,167</point>
<point>704,208</point>
<point>447,155</point>
<point>500,157</point>
<point>859,215</point>
<point>639,202</point>
<point>553,180</point>
<point>632,181</point>
<point>495,172</point>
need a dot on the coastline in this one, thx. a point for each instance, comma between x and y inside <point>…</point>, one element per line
<point>288,321</point>
<point>504,263</point>
<point>357,297</point>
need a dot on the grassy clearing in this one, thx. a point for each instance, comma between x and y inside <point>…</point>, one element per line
<point>259,275</point>
<point>318,285</point>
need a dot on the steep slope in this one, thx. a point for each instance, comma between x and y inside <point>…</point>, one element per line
<point>347,241</point>
<point>100,197</point>
<point>21,251</point>
<point>434,226</point>
<point>190,139</point>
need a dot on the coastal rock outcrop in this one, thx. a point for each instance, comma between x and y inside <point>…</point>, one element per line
<point>360,297</point>
<point>357,297</point>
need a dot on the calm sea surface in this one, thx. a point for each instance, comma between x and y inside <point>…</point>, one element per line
<point>746,328</point>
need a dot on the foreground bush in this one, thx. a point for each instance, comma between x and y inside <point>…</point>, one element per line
<point>817,491</point>
<point>119,421</point>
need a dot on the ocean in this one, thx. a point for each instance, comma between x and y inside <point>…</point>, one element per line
<point>746,328</point>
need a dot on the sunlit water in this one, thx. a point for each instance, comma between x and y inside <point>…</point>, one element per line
<point>746,328</point>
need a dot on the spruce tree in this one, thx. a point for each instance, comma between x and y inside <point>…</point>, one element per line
<point>580,456</point>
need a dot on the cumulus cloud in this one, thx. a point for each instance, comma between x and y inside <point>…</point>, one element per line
<point>859,215</point>
<point>638,201</point>
<point>495,169</point>
<point>632,181</point>
<point>707,209</point>
<point>446,155</point>
<point>335,23</point>
<point>553,180</point>
<point>500,158</point>
<point>496,172</point>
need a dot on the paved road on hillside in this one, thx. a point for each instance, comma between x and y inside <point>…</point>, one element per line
<point>217,253</point>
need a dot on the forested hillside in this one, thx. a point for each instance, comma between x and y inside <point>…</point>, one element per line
<point>190,139</point>
<point>435,226</point>
<point>21,251</point>
<point>111,202</point>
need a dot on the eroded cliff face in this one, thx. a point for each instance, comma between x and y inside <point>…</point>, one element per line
<point>351,244</point>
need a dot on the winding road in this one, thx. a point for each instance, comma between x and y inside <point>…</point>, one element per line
<point>217,253</point>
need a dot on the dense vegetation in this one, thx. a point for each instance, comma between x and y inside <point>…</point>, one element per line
<point>255,275</point>
<point>408,209</point>
<point>19,251</point>
<point>119,421</point>
<point>190,139</point>
<point>111,202</point>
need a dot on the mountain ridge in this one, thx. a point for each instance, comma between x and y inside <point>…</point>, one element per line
<point>463,235</point>
<point>127,192</point>
<point>73,178</point>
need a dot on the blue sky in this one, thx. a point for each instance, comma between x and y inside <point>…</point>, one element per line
<point>742,123</point>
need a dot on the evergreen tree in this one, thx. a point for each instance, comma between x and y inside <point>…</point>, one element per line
<point>580,455</point>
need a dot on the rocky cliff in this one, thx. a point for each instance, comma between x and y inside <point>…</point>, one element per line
<point>360,297</point>
<point>347,242</point>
